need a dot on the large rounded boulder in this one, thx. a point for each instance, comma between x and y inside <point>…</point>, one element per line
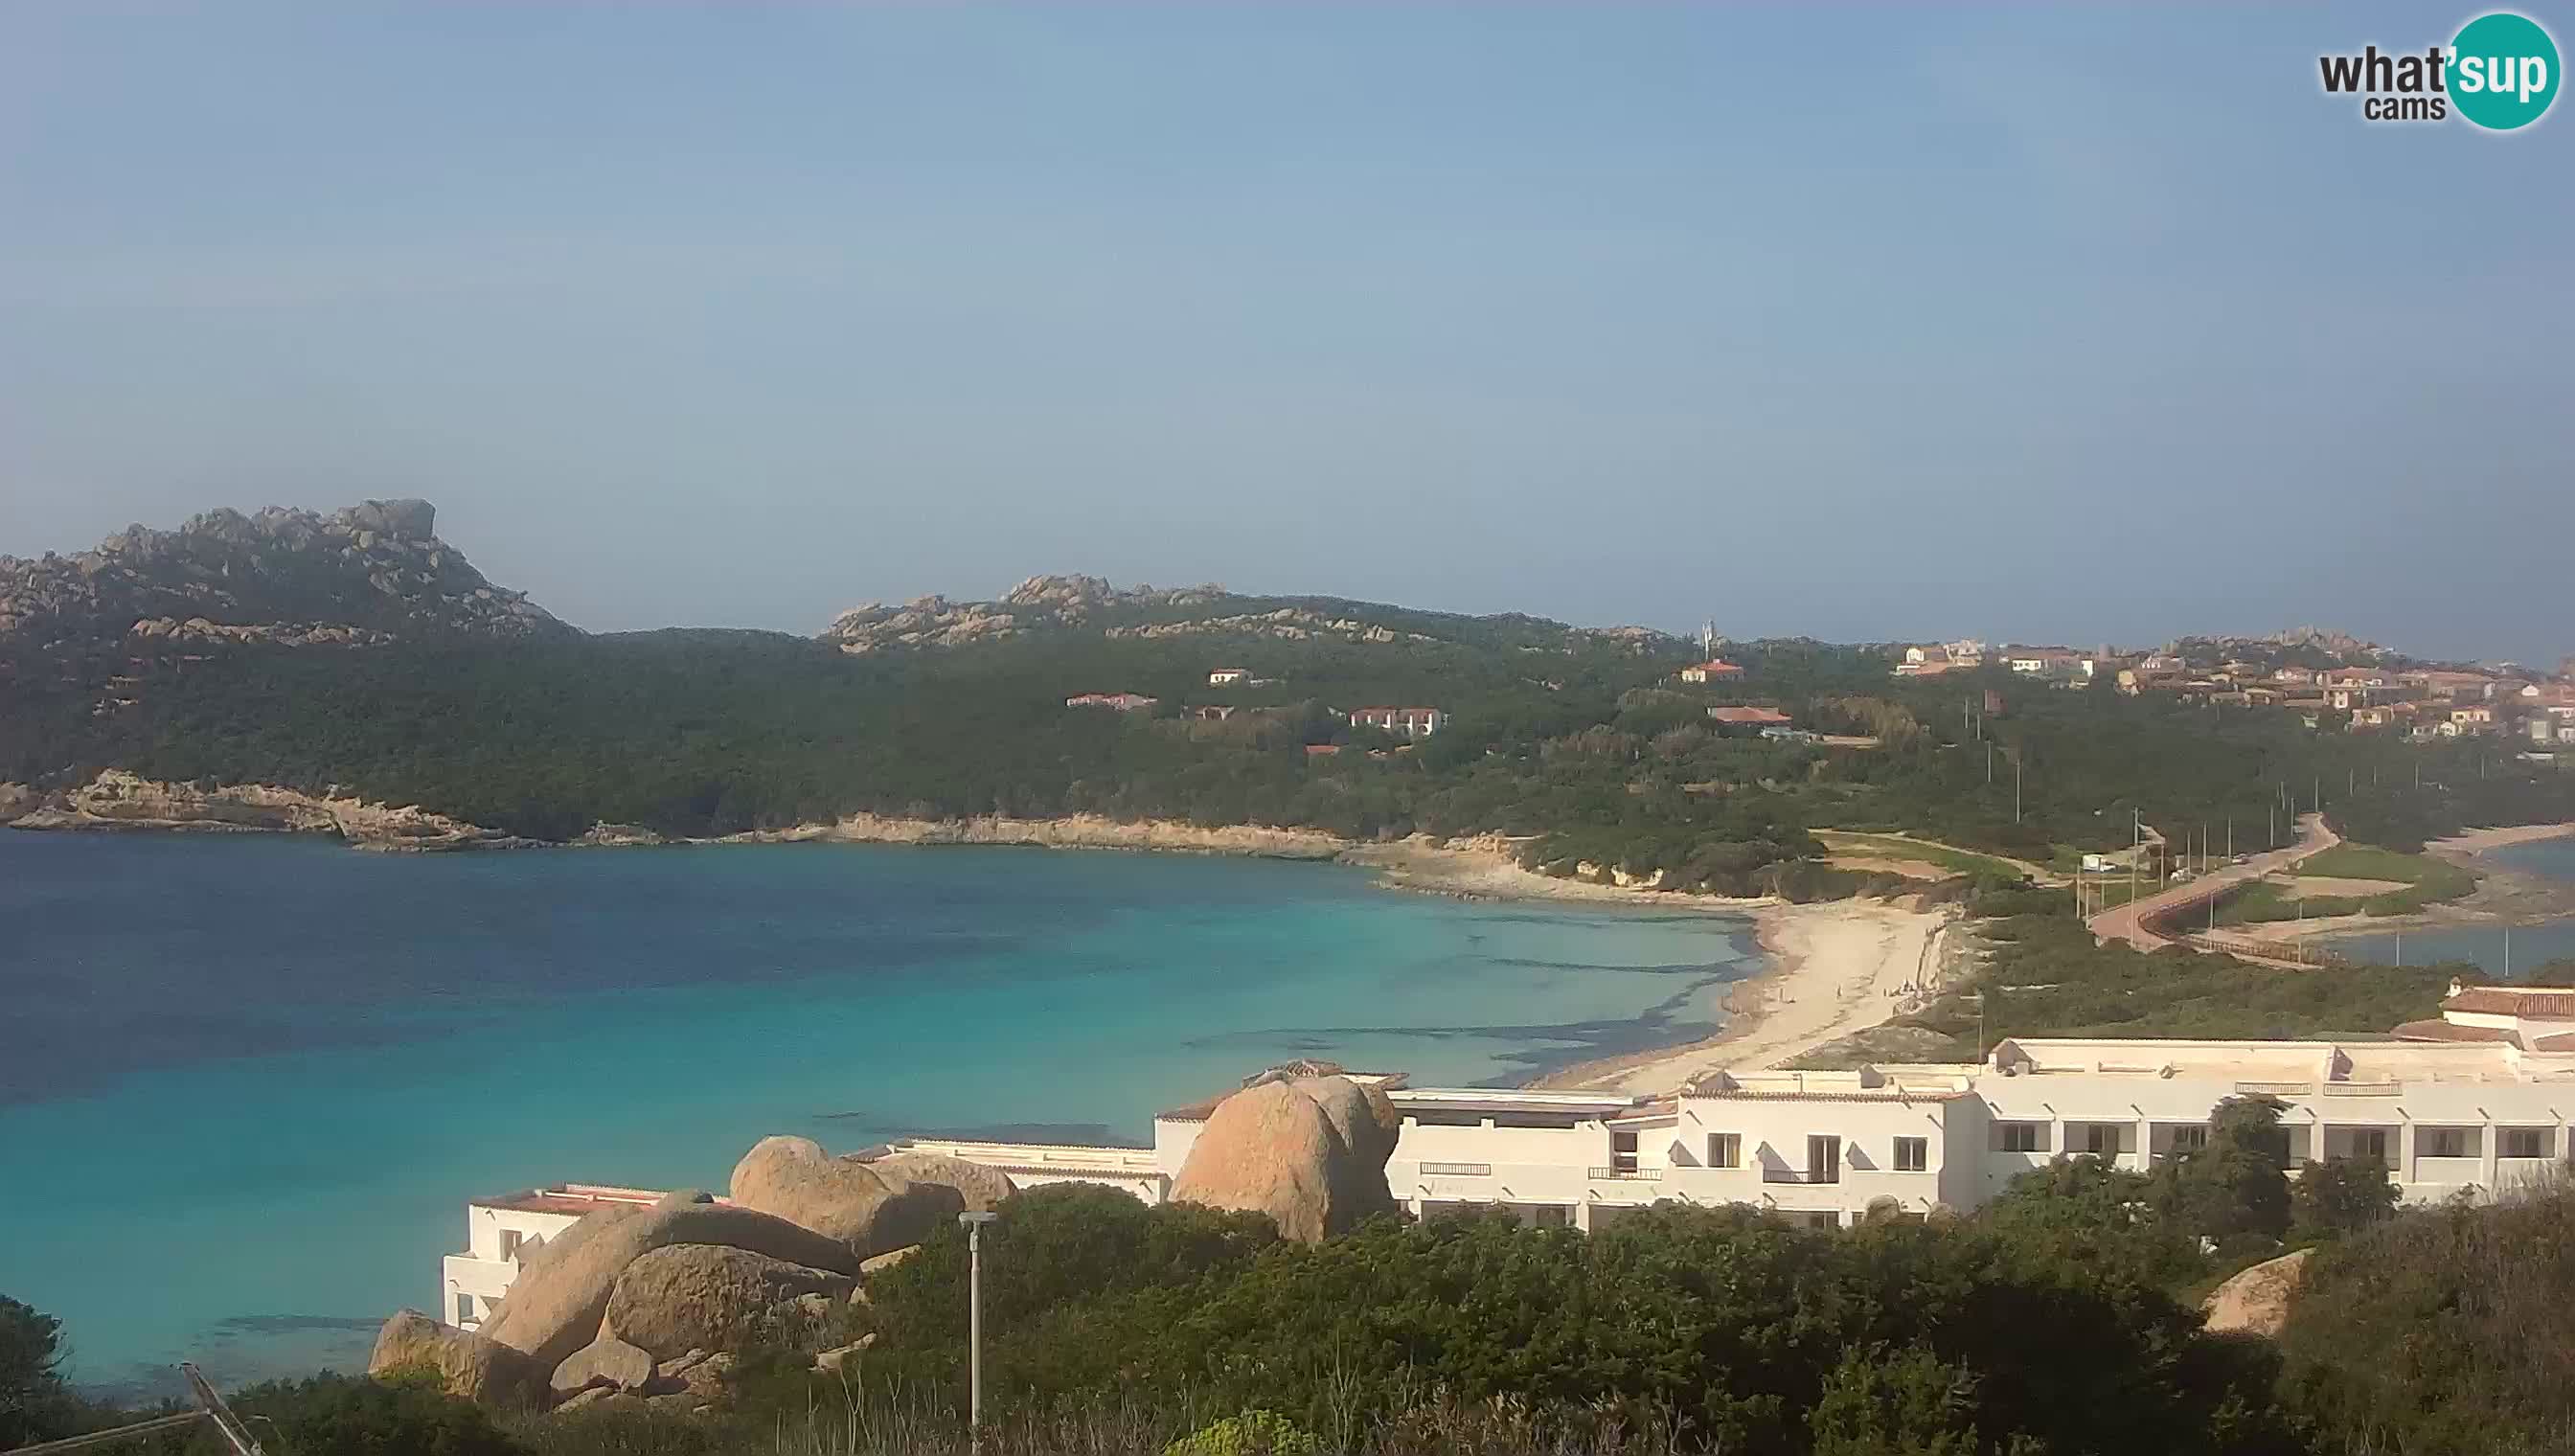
<point>840,1199</point>
<point>1309,1151</point>
<point>556,1303</point>
<point>685,1297</point>
<point>484,1371</point>
<point>982,1188</point>
<point>2257,1301</point>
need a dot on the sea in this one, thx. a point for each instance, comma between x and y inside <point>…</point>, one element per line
<point>2524,949</point>
<point>248,1082</point>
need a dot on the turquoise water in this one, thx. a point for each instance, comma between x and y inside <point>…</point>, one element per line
<point>248,1083</point>
<point>2531,945</point>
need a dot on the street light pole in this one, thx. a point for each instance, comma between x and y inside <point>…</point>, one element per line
<point>974,1222</point>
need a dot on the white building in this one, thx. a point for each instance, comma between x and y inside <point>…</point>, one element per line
<point>2471,1103</point>
<point>1403,722</point>
<point>1226,677</point>
<point>2447,1116</point>
<point>500,1232</point>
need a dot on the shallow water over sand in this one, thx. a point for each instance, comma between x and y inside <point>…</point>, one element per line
<point>246,1084</point>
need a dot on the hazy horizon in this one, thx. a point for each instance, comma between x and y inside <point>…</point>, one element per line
<point>2084,327</point>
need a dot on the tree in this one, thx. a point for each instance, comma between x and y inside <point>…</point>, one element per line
<point>2237,1184</point>
<point>35,1405</point>
<point>2341,1197</point>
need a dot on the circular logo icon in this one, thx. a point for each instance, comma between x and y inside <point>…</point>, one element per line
<point>2503,71</point>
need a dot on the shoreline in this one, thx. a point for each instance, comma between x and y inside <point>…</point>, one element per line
<point>2502,896</point>
<point>1835,967</point>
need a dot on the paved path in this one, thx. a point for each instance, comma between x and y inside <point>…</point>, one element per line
<point>2131,922</point>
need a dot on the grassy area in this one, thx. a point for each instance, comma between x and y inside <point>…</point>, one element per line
<point>1889,846</point>
<point>2438,879</point>
<point>2046,978</point>
<point>2427,881</point>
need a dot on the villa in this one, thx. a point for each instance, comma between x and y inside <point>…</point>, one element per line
<point>2469,1104</point>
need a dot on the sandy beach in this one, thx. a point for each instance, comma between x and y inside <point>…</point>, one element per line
<point>1837,966</point>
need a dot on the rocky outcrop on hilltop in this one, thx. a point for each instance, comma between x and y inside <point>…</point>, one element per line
<point>1310,1152</point>
<point>1288,623</point>
<point>115,799</point>
<point>1037,603</point>
<point>355,577</point>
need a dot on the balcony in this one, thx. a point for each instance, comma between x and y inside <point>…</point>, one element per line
<point>1627,1173</point>
<point>1457,1170</point>
<point>1802,1175</point>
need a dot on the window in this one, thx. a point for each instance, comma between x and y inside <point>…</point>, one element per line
<point>2369,1142</point>
<point>2021,1136</point>
<point>1912,1154</point>
<point>2525,1142</point>
<point>509,1243</point>
<point>1726,1150</point>
<point>463,1309</point>
<point>2101,1139</point>
<point>2444,1142</point>
<point>1623,1151</point>
<point>1823,1220</point>
<point>1551,1215</point>
<point>2190,1139</point>
<point>1823,1158</point>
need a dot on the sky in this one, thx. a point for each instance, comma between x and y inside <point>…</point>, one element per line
<point>2086,324</point>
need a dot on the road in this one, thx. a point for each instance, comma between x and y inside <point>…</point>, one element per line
<point>2129,921</point>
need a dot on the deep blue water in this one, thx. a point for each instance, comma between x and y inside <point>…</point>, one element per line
<point>2531,945</point>
<point>247,1083</point>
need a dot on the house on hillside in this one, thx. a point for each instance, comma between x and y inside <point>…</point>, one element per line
<point>1122,702</point>
<point>2456,686</point>
<point>1927,661</point>
<point>1403,722</point>
<point>1749,717</point>
<point>1714,669</point>
<point>1228,676</point>
<point>2055,664</point>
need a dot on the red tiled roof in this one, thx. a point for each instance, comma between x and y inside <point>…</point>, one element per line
<point>2439,1030</point>
<point>1747,715</point>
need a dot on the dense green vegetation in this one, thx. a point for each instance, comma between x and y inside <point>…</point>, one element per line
<point>2059,1318</point>
<point>1582,743</point>
<point>2427,881</point>
<point>2445,1332</point>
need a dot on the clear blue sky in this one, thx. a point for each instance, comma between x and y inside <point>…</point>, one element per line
<point>1871,324</point>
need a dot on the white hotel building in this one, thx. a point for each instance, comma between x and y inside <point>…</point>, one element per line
<point>2473,1104</point>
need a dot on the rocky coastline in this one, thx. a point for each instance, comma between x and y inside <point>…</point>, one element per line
<point>118,799</point>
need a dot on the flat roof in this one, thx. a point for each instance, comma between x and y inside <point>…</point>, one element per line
<point>2326,1062</point>
<point>574,1199</point>
<point>1039,1157</point>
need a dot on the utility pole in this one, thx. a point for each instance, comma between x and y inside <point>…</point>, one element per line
<point>974,1222</point>
<point>2016,788</point>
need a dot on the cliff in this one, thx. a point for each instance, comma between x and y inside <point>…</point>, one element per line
<point>356,578</point>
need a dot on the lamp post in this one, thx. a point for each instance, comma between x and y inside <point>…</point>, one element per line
<point>974,1223</point>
